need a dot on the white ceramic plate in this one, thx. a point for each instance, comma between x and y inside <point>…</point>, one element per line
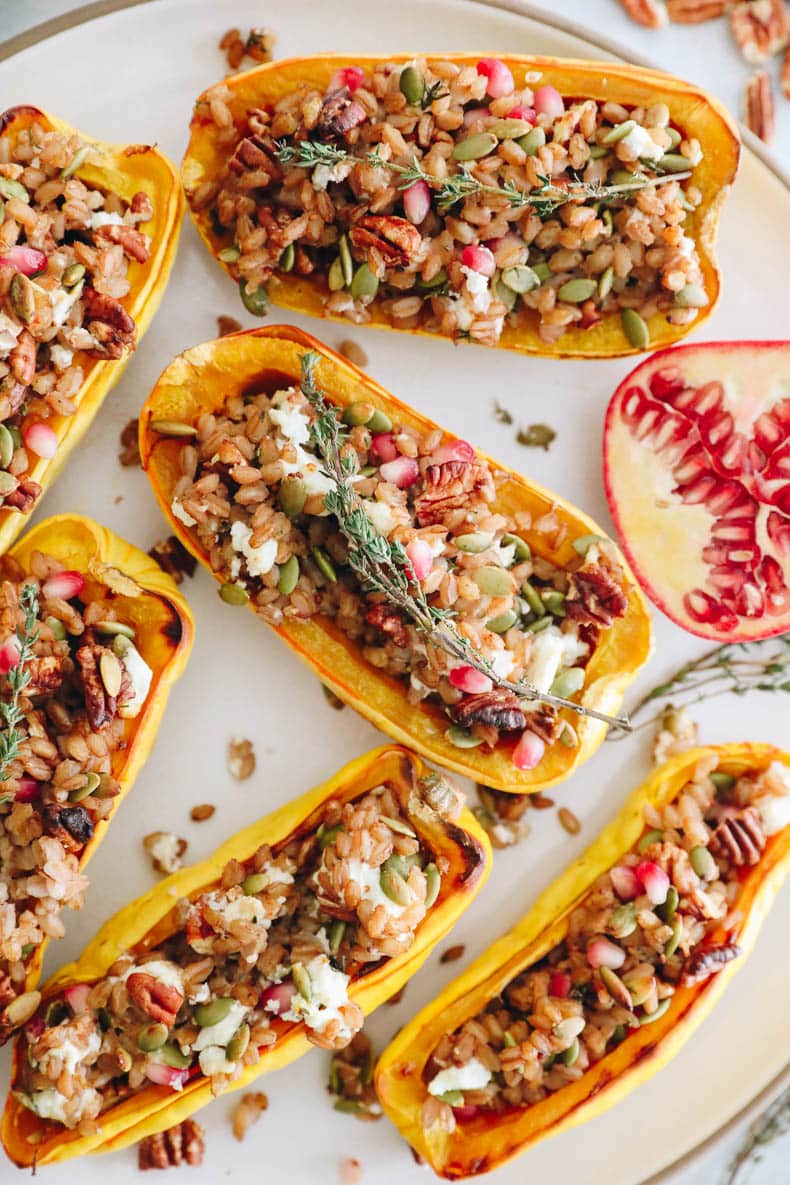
<point>132,76</point>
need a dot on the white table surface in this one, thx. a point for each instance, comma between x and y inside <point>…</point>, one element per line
<point>704,54</point>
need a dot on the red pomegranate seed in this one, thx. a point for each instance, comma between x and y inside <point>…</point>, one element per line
<point>349,76</point>
<point>529,751</point>
<point>164,1075</point>
<point>454,450</point>
<point>470,680</point>
<point>525,113</point>
<point>277,998</point>
<point>9,654</point>
<point>548,101</point>
<point>417,202</point>
<point>383,446</point>
<point>500,80</point>
<point>76,996</point>
<point>603,953</point>
<point>653,880</point>
<point>28,790</point>
<point>26,260</point>
<point>420,558</point>
<point>625,882</point>
<point>402,472</point>
<point>63,586</point>
<point>560,984</point>
<point>465,1111</point>
<point>479,259</point>
<point>40,439</point>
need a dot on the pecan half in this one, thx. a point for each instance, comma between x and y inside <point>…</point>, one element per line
<point>141,205</point>
<point>760,30</point>
<point>545,723</point>
<point>594,596</point>
<point>760,110</point>
<point>707,961</point>
<point>694,12</point>
<point>99,705</point>
<point>160,1001</point>
<point>652,14</point>
<point>72,826</point>
<point>251,153</point>
<point>499,708</point>
<point>452,492</point>
<point>133,241</point>
<point>24,497</point>
<point>182,1144</point>
<point>109,323</point>
<point>46,673</point>
<point>395,239</point>
<point>339,115</point>
<point>740,838</point>
<point>387,619</point>
<point>22,358</point>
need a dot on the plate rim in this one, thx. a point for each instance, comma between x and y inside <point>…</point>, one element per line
<point>95,9</point>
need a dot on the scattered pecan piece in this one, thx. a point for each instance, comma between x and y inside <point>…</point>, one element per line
<point>260,44</point>
<point>510,807</point>
<point>760,29</point>
<point>182,1144</point>
<point>129,456</point>
<point>99,704</point>
<point>388,619</point>
<point>740,837</point>
<point>233,47</point>
<point>24,497</point>
<point>251,153</point>
<point>160,1001</point>
<point>694,12</point>
<point>449,488</point>
<point>46,673</point>
<point>545,723</point>
<point>141,206</point>
<point>165,851</point>
<point>72,826</point>
<point>339,115</point>
<point>248,1111</point>
<point>241,758</point>
<point>12,393</point>
<point>499,708</point>
<point>173,557</point>
<point>594,596</point>
<point>109,322</point>
<point>395,239</point>
<point>226,325</point>
<point>133,241</point>
<point>652,14</point>
<point>760,113</point>
<point>707,961</point>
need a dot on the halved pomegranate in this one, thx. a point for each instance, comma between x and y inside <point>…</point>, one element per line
<point>697,474</point>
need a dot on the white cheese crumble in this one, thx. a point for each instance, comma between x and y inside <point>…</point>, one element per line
<point>50,1104</point>
<point>545,658</point>
<point>213,1061</point>
<point>62,303</point>
<point>472,1076</point>
<point>380,514</point>
<point>503,662</point>
<point>182,515</point>
<point>70,1055</point>
<point>103,218</point>
<point>369,880</point>
<point>9,332</point>
<point>60,356</point>
<point>260,560</point>
<point>641,144</point>
<point>295,429</point>
<point>329,993</point>
<point>223,1030</point>
<point>323,174</point>
<point>166,972</point>
<point>774,809</point>
<point>477,289</point>
<point>140,675</point>
<point>238,909</point>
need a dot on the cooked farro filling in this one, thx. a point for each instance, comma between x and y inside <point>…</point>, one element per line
<point>253,493</point>
<point>64,252</point>
<point>471,230</point>
<point>665,915</point>
<point>275,943</point>
<point>86,679</point>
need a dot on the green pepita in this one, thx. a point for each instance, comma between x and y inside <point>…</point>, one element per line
<point>626,177</point>
<point>607,218</point>
<point>346,260</point>
<point>568,682</point>
<point>398,826</point>
<point>358,414</point>
<point>433,883</point>
<point>505,295</point>
<point>640,987</point>
<point>635,329</point>
<point>493,581</point>
<point>324,564</point>
<point>615,987</point>
<point>453,1098</point>
<point>509,1040</point>
<point>237,1046</point>
<point>648,1017</point>
<point>254,883</point>
<point>57,627</point>
<point>509,129</point>
<point>13,189</point>
<point>412,85</point>
<point>255,300</point>
<point>648,839</point>
<point>673,162</point>
<point>233,594</point>
<point>379,422</point>
<point>336,934</point>
<point>287,259</point>
<point>462,738</point>
<point>622,921</point>
<point>22,296</point>
<point>703,863</point>
<point>437,281</point>
<point>619,131</point>
<point>116,629</point>
<point>542,271</point>
<point>502,623</point>
<point>75,163</point>
<point>674,940</point>
<point>570,1055</point>
<point>669,908</point>
<point>520,278</point>
<point>722,781</point>
<point>533,141</point>
<point>72,275</point>
<point>533,599</point>
<point>289,576</point>
<point>474,542</point>
<point>173,428</point>
<point>349,1106</point>
<point>578,290</point>
<point>120,645</point>
<point>598,150</point>
<point>394,886</point>
<point>605,283</point>
<point>302,981</point>
<point>213,1012</point>
<point>475,147</point>
<point>92,782</point>
<point>365,282</point>
<point>674,137</point>
<point>523,551</point>
<point>8,483</point>
<point>554,600</point>
<point>152,1037</point>
<point>692,296</point>
<point>229,254</point>
<point>328,835</point>
<point>292,496</point>
<point>6,447</point>
<point>171,1055</point>
<point>335,278</point>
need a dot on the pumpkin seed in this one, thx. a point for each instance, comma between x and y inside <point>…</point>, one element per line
<point>453,1098</point>
<point>6,447</point>
<point>401,864</point>
<point>568,682</point>
<point>213,1012</point>
<point>16,435</point>
<point>348,1106</point>
<point>648,1017</point>
<point>301,978</point>
<point>598,150</point>
<point>346,260</point>
<point>120,645</point>
<point>549,1061</point>
<point>75,163</point>
<point>722,781</point>
<point>531,596</point>
<point>8,483</point>
<point>13,189</point>
<point>107,787</point>
<point>365,282</point>
<point>502,623</point>
<point>394,886</point>
<point>292,496</point>
<point>635,329</point>
<point>357,414</point>
<point>335,278</point>
<point>336,934</point>
<point>554,601</point>
<point>473,543</point>
<point>648,839</point>
<point>692,296</point>
<point>55,1014</point>
<point>509,1040</point>
<point>619,131</point>
<point>412,85</point>
<point>379,422</point>
<point>233,594</point>
<point>433,883</point>
<point>435,282</point>
<point>523,550</point>
<point>520,278</point>
<point>569,736</point>
<point>111,673</point>
<point>615,987</point>
<point>328,835</point>
<point>171,1055</point>
<point>640,987</point>
<point>703,863</point>
<point>237,1046</point>
<point>475,147</point>
<point>533,141</point>
<point>229,254</point>
<point>583,543</point>
<point>626,177</point>
<point>462,738</point>
<point>542,271</point>
<point>152,1037</point>
<point>115,629</point>
<point>669,908</point>
<point>607,217</point>
<point>575,291</point>
<point>623,920</point>
<point>605,283</point>
<point>505,295</point>
<point>570,1055</point>
<point>674,940</point>
<point>493,581</point>
<point>569,1029</point>
<point>509,129</point>
<point>22,296</point>
<point>287,259</point>
<point>674,137</point>
<point>92,782</point>
<point>254,883</point>
<point>255,300</point>
<point>537,627</point>
<point>618,1035</point>
<point>289,576</point>
<point>398,826</point>
<point>72,275</point>
<point>324,564</point>
<point>673,162</point>
<point>173,428</point>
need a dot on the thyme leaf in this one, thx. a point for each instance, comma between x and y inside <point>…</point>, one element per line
<point>772,1125</point>
<point>18,679</point>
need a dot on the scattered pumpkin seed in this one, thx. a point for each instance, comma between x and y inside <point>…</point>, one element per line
<point>640,986</point>
<point>13,189</point>
<point>569,736</point>
<point>648,1017</point>
<point>56,1013</point>
<point>115,629</point>
<point>287,259</point>
<point>152,1037</point>
<point>292,496</point>
<point>635,329</point>
<point>255,300</point>
<point>537,627</point>
<point>302,981</point>
<point>615,987</point>
<point>111,673</point>
<point>233,594</point>
<point>173,428</point>
<point>237,1046</point>
<point>626,177</point>
<point>673,162</point>
<point>57,627</point>
<point>554,600</point>
<point>171,1055</point>
<point>570,1055</point>
<point>475,147</point>
<point>254,883</point>
<point>509,1040</point>
<point>453,1098</point>
<point>6,447</point>
<point>474,542</point>
<point>462,738</point>
<point>379,422</point>
<point>212,1012</point>
<point>72,275</point>
<point>622,921</point>
<point>398,826</point>
<point>324,564</point>
<point>533,599</point>
<point>502,623</point>
<point>436,281</point>
<point>523,550</point>
<point>509,129</point>
<point>703,863</point>
<point>542,271</point>
<point>328,835</point>
<point>394,886</point>
<point>648,839</point>
<point>75,163</point>
<point>568,682</point>
<point>568,1030</point>
<point>605,283</point>
<point>92,782</point>
<point>229,254</point>
<point>8,483</point>
<point>289,576</point>
<point>674,940</point>
<point>335,277</point>
<point>336,934</point>
<point>536,436</point>
<point>120,645</point>
<point>722,781</point>
<point>520,278</point>
<point>607,217</point>
<point>669,908</point>
<point>22,297</point>
<point>346,260</point>
<point>505,295</point>
<point>412,85</point>
<point>365,282</point>
<point>619,131</point>
<point>583,543</point>
<point>433,883</point>
<point>674,137</point>
<point>577,290</point>
<point>533,141</point>
<point>598,150</point>
<point>692,296</point>
<point>358,414</point>
<point>493,581</point>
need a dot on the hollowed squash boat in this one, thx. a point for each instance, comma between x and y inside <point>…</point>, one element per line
<point>430,194</point>
<point>463,506</point>
<point>561,1017</point>
<point>381,858</point>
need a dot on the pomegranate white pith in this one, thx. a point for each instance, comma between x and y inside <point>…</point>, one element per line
<point>697,474</point>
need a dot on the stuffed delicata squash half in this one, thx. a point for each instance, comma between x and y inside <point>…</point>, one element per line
<point>608,975</point>
<point>560,208</point>
<point>286,937</point>
<point>422,582</point>
<point>88,233</point>
<point>92,637</point>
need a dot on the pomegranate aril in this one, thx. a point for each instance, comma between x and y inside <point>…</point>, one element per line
<point>470,680</point>
<point>782,499</point>
<point>625,882</point>
<point>525,113</point>
<point>704,610</point>
<point>549,102</point>
<point>454,450</point>
<point>40,439</point>
<point>653,880</point>
<point>349,76</point>
<point>560,984</point>
<point>478,259</point>
<point>76,996</point>
<point>383,446</point>
<point>529,751</point>
<point>277,998</point>
<point>164,1075</point>
<point>63,585</point>
<point>603,953</point>
<point>27,790</point>
<point>9,654</point>
<point>778,528</point>
<point>699,490</point>
<point>402,472</point>
<point>27,260</point>
<point>465,1111</point>
<point>420,558</point>
<point>417,202</point>
<point>500,80</point>
<point>665,384</point>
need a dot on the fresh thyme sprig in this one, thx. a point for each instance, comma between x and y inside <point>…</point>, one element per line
<point>734,668</point>
<point>544,200</point>
<point>772,1125</point>
<point>18,679</point>
<point>384,567</point>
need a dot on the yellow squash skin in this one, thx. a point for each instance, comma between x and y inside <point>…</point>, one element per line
<point>149,920</point>
<point>482,1144</point>
<point>696,113</point>
<point>145,170</point>
<point>202,378</point>
<point>163,626</point>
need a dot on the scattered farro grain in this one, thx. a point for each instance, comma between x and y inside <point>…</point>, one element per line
<point>349,349</point>
<point>182,1144</point>
<point>760,29</point>
<point>350,1171</point>
<point>260,45</point>
<point>226,325</point>
<point>650,13</point>
<point>569,821</point>
<point>453,953</point>
<point>203,811</point>
<point>165,851</point>
<point>541,802</point>
<point>241,759</point>
<point>694,12</point>
<point>760,113</point>
<point>173,558</point>
<point>248,1111</point>
<point>129,456</point>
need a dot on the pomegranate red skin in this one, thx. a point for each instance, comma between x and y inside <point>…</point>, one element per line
<point>736,467</point>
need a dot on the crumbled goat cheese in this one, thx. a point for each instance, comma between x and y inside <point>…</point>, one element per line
<point>221,1033</point>
<point>60,356</point>
<point>472,1076</point>
<point>62,303</point>
<point>369,880</point>
<point>323,174</point>
<point>182,515</point>
<point>50,1104</point>
<point>503,662</point>
<point>774,813</point>
<point>260,560</point>
<point>295,430</point>
<point>9,332</point>
<point>477,289</point>
<point>550,651</point>
<point>70,1055</point>
<point>329,993</point>
<point>140,675</point>
<point>380,514</point>
<point>213,1061</point>
<point>166,972</point>
<point>238,909</point>
<point>641,144</point>
<point>103,218</point>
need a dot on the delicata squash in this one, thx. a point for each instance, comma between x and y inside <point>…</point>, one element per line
<point>560,208</point>
<point>288,935</point>
<point>92,637</point>
<point>88,233</point>
<point>534,587</point>
<point>608,975</point>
